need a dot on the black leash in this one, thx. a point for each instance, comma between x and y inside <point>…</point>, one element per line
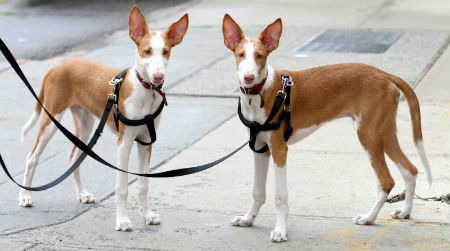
<point>283,96</point>
<point>86,149</point>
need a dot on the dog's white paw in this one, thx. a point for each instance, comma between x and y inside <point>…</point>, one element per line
<point>400,214</point>
<point>25,200</point>
<point>152,219</point>
<point>278,235</point>
<point>86,198</point>
<point>362,219</point>
<point>242,221</point>
<point>124,224</point>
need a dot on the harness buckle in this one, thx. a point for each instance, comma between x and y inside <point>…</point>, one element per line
<point>112,97</point>
<point>282,93</point>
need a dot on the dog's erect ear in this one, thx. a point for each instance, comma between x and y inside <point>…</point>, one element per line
<point>177,30</point>
<point>137,25</point>
<point>270,37</point>
<point>232,33</point>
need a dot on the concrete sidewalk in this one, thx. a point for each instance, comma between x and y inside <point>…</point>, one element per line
<point>329,176</point>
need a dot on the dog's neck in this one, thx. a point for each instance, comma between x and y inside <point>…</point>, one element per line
<point>258,88</point>
<point>251,102</point>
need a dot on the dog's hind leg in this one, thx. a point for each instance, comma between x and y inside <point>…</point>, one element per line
<point>374,147</point>
<point>144,153</point>
<point>46,131</point>
<point>83,122</point>
<point>408,172</point>
<point>259,190</point>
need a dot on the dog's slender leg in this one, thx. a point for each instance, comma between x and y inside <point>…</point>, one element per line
<point>279,154</point>
<point>409,174</point>
<point>374,147</point>
<point>123,223</point>
<point>150,217</point>
<point>46,131</point>
<point>259,191</point>
<point>83,122</point>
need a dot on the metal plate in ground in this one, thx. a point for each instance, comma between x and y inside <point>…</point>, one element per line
<point>355,41</point>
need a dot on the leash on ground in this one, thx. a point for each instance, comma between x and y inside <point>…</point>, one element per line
<point>87,149</point>
<point>401,196</point>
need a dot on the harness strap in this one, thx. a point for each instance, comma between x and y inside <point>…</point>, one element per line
<point>255,127</point>
<point>147,120</point>
<point>287,106</point>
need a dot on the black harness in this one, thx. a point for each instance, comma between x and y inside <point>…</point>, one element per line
<point>283,96</point>
<point>147,120</point>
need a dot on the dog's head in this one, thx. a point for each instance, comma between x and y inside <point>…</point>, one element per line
<point>153,48</point>
<point>251,53</point>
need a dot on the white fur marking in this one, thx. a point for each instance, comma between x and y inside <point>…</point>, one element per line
<point>281,201</point>
<point>29,124</point>
<point>368,219</point>
<point>410,187</point>
<point>155,63</point>
<point>357,120</point>
<point>249,66</point>
<point>423,158</point>
<point>301,134</point>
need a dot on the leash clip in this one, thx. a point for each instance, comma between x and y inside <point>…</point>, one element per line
<point>115,81</point>
<point>287,80</point>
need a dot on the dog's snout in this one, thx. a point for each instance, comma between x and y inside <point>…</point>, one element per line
<point>158,76</point>
<point>249,77</point>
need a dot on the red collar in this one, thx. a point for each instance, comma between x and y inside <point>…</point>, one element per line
<point>254,90</point>
<point>150,85</point>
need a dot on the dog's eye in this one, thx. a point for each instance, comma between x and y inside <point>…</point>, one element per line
<point>259,56</point>
<point>165,52</point>
<point>241,55</point>
<point>148,51</point>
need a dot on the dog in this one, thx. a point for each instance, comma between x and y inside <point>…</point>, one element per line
<point>82,87</point>
<point>368,95</point>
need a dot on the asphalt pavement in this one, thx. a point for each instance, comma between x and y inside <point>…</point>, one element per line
<point>329,177</point>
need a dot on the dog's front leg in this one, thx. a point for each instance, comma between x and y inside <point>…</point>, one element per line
<point>144,153</point>
<point>279,154</point>
<point>259,191</point>
<point>123,223</point>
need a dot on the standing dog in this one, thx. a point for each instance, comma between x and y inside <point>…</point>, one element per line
<point>366,94</point>
<point>82,87</point>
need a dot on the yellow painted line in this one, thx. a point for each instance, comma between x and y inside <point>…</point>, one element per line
<point>375,239</point>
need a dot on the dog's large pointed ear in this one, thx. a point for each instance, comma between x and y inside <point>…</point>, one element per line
<point>270,37</point>
<point>232,33</point>
<point>137,25</point>
<point>177,30</point>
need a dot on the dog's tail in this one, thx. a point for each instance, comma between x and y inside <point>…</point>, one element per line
<point>414,110</point>
<point>37,111</point>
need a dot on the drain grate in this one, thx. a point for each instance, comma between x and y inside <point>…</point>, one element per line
<point>356,41</point>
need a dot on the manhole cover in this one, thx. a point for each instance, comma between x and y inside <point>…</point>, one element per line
<point>357,41</point>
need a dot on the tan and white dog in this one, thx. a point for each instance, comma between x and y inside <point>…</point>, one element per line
<point>366,94</point>
<point>82,87</point>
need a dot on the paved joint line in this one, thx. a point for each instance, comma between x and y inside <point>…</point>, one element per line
<point>376,238</point>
